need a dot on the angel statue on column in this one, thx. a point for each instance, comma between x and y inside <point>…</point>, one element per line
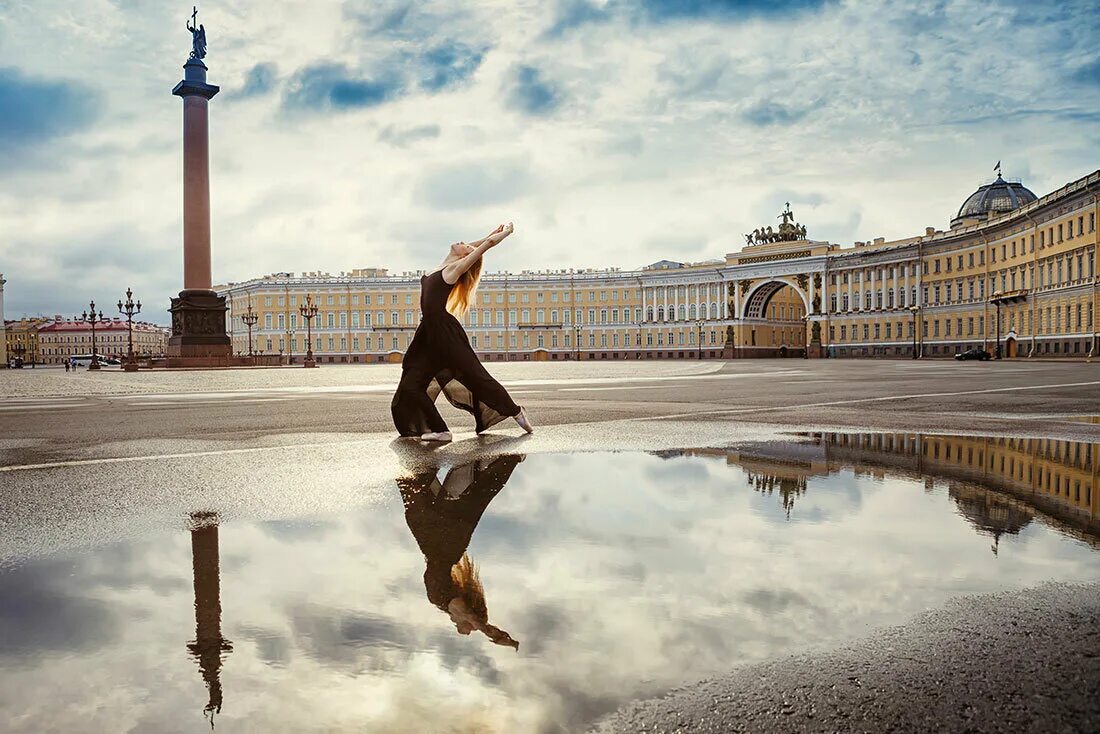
<point>198,36</point>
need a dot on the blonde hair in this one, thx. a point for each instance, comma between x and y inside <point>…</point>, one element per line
<point>468,585</point>
<point>462,294</point>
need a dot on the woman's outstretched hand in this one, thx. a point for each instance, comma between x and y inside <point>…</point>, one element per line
<point>500,233</point>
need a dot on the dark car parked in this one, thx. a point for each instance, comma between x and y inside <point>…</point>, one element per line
<point>973,354</point>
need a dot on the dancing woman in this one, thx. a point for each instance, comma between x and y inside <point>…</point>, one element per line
<point>440,357</point>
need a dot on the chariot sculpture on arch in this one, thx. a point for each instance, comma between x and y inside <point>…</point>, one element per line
<point>789,230</point>
<point>198,36</point>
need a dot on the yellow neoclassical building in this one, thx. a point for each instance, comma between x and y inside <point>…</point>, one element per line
<point>1012,272</point>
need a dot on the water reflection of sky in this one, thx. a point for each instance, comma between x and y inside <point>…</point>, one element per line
<point>620,574</point>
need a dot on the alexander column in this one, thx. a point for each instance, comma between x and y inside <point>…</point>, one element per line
<point>198,314</point>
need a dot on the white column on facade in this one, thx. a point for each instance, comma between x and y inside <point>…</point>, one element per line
<point>675,302</point>
<point>810,310</point>
<point>905,284</point>
<point>874,293</point>
<point>851,289</point>
<point>737,300</point>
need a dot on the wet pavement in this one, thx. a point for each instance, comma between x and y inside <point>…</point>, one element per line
<point>525,585</point>
<point>48,415</point>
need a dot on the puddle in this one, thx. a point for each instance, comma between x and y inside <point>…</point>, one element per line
<point>1091,419</point>
<point>582,581</point>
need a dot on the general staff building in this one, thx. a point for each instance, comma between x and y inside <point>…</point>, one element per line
<point>1014,273</point>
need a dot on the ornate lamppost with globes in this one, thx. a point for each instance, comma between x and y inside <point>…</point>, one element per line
<point>309,311</point>
<point>699,325</point>
<point>93,318</point>
<point>290,346</point>
<point>250,318</point>
<point>577,340</point>
<point>128,309</point>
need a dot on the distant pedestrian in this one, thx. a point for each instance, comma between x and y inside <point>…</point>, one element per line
<point>440,357</point>
<point>66,365</point>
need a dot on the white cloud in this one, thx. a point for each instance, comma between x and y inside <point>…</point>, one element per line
<point>887,114</point>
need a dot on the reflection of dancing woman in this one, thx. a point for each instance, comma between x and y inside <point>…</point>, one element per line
<point>440,357</point>
<point>442,518</point>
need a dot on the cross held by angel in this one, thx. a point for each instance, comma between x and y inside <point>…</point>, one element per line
<point>198,36</point>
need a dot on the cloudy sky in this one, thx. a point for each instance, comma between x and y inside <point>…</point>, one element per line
<point>613,132</point>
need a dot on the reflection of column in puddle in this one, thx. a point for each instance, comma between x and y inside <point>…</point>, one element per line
<point>208,645</point>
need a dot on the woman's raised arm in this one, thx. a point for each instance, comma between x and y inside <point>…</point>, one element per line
<point>454,271</point>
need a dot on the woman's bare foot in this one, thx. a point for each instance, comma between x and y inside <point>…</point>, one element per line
<point>523,421</point>
<point>442,436</point>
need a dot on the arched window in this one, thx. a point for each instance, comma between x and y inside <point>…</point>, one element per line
<point>649,313</point>
<point>691,312</point>
<point>683,312</point>
<point>660,313</point>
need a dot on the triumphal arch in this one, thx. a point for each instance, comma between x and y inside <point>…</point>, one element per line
<point>774,287</point>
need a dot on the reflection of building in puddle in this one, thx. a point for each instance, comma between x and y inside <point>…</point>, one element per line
<point>209,646</point>
<point>997,483</point>
<point>442,517</point>
<point>782,468</point>
<point>788,487</point>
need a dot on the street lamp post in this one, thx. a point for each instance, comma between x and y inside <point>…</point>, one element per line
<point>699,324</point>
<point>93,318</point>
<point>577,340</point>
<point>997,304</point>
<point>913,310</point>
<point>250,318</point>
<point>309,311</point>
<point>290,346</point>
<point>129,309</point>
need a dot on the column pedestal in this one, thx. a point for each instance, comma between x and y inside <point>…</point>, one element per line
<point>199,336</point>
